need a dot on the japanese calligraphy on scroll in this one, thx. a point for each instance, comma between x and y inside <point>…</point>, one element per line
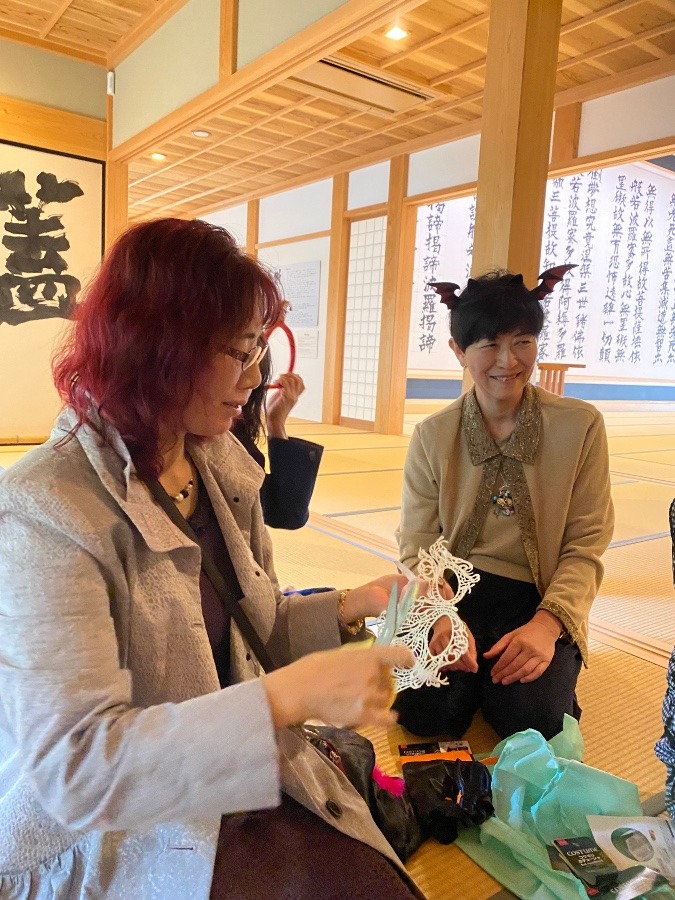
<point>51,220</point>
<point>443,248</point>
<point>615,313</point>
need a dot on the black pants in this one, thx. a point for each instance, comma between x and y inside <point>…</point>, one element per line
<point>494,607</point>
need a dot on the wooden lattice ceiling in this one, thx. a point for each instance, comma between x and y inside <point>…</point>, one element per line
<point>292,132</point>
<point>98,31</point>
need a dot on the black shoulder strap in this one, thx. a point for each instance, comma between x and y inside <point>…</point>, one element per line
<point>210,569</point>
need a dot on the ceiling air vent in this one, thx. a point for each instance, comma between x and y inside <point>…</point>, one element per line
<point>363,89</point>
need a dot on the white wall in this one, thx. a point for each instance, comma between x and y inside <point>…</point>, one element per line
<point>38,76</point>
<point>311,370</point>
<point>175,64</point>
<point>233,219</point>
<point>264,24</point>
<point>303,210</point>
<point>368,186</point>
<point>444,166</point>
<point>628,117</point>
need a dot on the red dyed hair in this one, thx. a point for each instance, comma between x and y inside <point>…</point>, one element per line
<point>143,331</point>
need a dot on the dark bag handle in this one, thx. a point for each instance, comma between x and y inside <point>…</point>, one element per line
<point>210,569</point>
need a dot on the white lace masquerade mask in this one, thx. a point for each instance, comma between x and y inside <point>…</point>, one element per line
<point>408,620</point>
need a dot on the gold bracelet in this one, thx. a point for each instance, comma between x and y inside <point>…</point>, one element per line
<point>351,627</point>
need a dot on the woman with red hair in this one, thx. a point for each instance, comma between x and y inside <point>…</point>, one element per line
<point>132,719</point>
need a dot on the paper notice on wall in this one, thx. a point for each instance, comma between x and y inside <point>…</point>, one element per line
<point>302,288</point>
<point>306,342</point>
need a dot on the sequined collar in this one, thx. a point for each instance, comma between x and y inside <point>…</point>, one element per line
<point>524,440</point>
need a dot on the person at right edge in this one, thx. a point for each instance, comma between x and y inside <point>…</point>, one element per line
<point>665,747</point>
<point>517,481</point>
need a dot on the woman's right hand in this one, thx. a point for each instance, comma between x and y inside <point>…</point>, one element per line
<point>349,686</point>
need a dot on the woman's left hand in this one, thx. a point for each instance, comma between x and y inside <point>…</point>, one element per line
<point>371,599</point>
<point>525,653</point>
<point>281,401</point>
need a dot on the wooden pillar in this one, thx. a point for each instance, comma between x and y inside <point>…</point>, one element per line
<point>229,33</point>
<point>116,200</point>
<point>515,138</point>
<point>515,135</point>
<point>338,265</point>
<point>116,187</point>
<point>252,226</point>
<point>396,301</point>
<point>565,145</point>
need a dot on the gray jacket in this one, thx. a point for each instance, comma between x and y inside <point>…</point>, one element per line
<point>118,751</point>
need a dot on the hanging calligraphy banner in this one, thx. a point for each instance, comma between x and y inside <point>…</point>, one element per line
<point>51,219</point>
<point>615,313</point>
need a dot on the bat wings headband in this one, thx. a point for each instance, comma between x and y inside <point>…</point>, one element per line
<point>447,290</point>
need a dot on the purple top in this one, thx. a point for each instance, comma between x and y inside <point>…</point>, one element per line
<point>216,618</point>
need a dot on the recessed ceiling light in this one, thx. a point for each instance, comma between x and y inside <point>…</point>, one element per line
<point>396,33</point>
<point>201,133</point>
<point>158,157</point>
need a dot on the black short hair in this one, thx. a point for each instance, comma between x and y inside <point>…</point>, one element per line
<point>495,303</point>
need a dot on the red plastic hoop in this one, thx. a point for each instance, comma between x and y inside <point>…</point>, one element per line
<point>291,343</point>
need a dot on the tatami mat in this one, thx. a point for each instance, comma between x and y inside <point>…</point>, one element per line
<point>311,558</point>
<point>382,524</point>
<point>621,701</point>
<point>621,698</point>
<point>358,492</point>
<point>637,591</point>
<point>640,443</point>
<point>372,460</point>
<point>365,440</point>
<point>640,508</point>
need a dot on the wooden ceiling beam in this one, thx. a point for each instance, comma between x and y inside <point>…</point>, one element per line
<point>335,30</point>
<point>615,45</point>
<point>63,47</point>
<point>621,81</point>
<point>228,140</point>
<point>335,148</point>
<point>435,39</point>
<point>222,169</point>
<point>597,16</point>
<point>601,87</point>
<point>458,72</point>
<point>54,18</point>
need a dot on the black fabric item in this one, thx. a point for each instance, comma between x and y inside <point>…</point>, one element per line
<point>495,606</point>
<point>671,518</point>
<point>287,489</point>
<point>355,756</point>
<point>446,795</point>
<point>288,853</point>
<point>209,567</point>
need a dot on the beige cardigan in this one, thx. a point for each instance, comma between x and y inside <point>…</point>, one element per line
<point>567,481</point>
<point>118,750</point>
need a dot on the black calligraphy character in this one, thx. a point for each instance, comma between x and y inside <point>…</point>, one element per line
<point>35,284</point>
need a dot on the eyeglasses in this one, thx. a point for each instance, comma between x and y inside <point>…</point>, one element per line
<point>248,359</point>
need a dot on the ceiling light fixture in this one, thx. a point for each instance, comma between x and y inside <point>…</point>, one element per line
<point>396,33</point>
<point>158,157</point>
<point>201,133</point>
